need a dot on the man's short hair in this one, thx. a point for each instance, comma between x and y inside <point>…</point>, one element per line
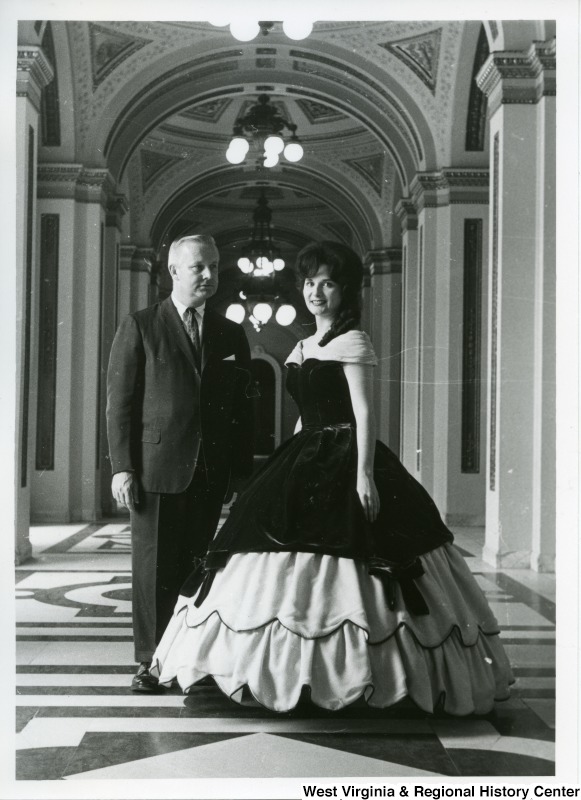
<point>200,238</point>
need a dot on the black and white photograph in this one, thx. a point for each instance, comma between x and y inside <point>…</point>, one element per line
<point>291,455</point>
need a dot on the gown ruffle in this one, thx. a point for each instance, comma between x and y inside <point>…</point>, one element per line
<point>298,590</point>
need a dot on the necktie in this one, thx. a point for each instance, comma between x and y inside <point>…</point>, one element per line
<point>193,331</point>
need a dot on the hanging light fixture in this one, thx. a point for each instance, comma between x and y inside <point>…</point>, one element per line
<point>261,297</point>
<point>260,256</point>
<point>245,30</point>
<point>263,128</point>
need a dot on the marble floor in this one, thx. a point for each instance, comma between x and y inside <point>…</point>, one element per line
<point>77,718</point>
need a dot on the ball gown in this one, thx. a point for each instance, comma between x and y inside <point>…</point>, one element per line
<point>299,590</point>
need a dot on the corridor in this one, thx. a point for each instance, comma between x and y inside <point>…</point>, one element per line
<point>78,720</point>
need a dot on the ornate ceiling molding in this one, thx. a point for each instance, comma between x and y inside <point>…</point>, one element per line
<point>407,214</point>
<point>518,76</point>
<point>342,74</point>
<point>387,261</point>
<point>477,102</point>
<point>109,49</point>
<point>117,207</point>
<point>371,167</point>
<point>137,259</point>
<point>34,72</point>
<point>448,187</point>
<point>211,111</point>
<point>75,182</point>
<point>153,164</point>
<point>421,54</point>
<point>354,209</point>
<point>317,112</point>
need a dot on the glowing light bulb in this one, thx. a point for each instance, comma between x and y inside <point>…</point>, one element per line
<point>273,144</point>
<point>239,144</point>
<point>234,157</point>
<point>293,151</point>
<point>262,312</point>
<point>244,264</point>
<point>271,159</point>
<point>244,29</point>
<point>235,312</point>
<point>286,314</point>
<point>267,267</point>
<point>297,28</point>
<point>278,264</point>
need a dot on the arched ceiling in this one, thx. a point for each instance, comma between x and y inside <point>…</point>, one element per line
<point>373,103</point>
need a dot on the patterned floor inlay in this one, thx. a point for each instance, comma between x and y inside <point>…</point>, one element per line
<point>77,719</point>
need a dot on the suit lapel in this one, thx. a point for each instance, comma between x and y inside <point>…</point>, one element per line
<point>210,333</point>
<point>172,321</point>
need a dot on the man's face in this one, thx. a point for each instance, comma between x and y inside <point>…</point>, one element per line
<point>195,272</point>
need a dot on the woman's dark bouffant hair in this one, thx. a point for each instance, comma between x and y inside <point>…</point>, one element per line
<point>346,269</point>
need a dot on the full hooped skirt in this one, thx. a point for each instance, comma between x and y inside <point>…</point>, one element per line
<point>276,622</point>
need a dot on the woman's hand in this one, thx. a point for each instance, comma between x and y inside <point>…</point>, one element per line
<point>369,496</point>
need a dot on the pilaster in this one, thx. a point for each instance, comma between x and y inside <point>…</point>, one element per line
<point>385,270</point>
<point>135,278</point>
<point>74,199</point>
<point>444,395</point>
<point>520,498</point>
<point>33,74</point>
<point>406,212</point>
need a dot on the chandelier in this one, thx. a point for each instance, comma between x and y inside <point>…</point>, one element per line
<point>245,29</point>
<point>262,127</point>
<point>261,295</point>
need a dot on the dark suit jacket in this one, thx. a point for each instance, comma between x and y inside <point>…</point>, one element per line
<point>159,404</point>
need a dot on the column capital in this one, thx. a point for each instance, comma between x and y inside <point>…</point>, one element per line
<point>95,185</point>
<point>449,186</point>
<point>34,72</point>
<point>137,259</point>
<point>75,182</point>
<point>519,76</point>
<point>386,261</point>
<point>407,214</point>
<point>117,207</point>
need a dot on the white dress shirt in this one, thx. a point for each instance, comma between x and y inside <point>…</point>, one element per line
<point>199,312</point>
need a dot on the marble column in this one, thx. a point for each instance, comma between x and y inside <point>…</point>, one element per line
<point>452,209</point>
<point>520,87</point>
<point>34,72</point>
<point>67,481</point>
<point>385,325</point>
<point>410,328</point>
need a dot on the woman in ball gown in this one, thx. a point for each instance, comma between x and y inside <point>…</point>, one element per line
<point>334,570</point>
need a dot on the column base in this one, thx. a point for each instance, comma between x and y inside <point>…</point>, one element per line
<point>543,562</point>
<point>23,553</point>
<point>515,559</point>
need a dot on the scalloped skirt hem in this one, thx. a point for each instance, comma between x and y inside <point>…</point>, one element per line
<point>278,622</point>
<point>275,664</point>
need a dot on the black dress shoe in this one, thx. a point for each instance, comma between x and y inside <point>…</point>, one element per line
<point>144,681</point>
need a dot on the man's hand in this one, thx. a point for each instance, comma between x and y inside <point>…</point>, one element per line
<point>125,489</point>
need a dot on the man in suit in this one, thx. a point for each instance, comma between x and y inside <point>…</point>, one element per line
<point>179,424</point>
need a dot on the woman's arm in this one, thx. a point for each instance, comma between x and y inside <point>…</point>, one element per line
<point>360,387</point>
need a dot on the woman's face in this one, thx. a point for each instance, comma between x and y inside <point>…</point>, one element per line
<point>322,295</point>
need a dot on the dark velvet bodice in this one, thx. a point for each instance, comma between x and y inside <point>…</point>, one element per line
<point>304,498</point>
<point>320,390</point>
